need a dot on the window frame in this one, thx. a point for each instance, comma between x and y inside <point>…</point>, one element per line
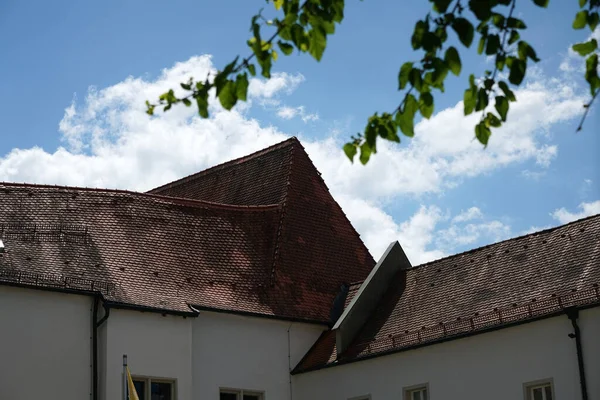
<point>407,391</point>
<point>148,384</point>
<point>240,392</point>
<point>529,386</point>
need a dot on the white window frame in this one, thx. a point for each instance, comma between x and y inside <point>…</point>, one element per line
<point>409,390</point>
<point>528,388</point>
<point>148,384</point>
<point>240,392</point>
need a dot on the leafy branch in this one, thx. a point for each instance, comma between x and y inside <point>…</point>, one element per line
<point>305,27</point>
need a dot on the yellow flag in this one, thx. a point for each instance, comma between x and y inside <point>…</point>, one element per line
<point>132,393</point>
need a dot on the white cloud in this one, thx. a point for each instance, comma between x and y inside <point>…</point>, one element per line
<point>564,216</point>
<point>533,175</point>
<point>109,141</point>
<point>468,215</point>
<point>456,235</point>
<point>573,62</point>
<point>286,112</point>
<point>280,81</point>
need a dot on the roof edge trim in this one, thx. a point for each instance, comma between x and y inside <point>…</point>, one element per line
<point>297,371</point>
<point>368,296</point>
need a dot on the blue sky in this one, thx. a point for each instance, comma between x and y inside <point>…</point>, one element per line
<point>75,76</point>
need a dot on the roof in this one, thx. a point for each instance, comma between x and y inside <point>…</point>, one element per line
<point>259,235</point>
<point>515,280</point>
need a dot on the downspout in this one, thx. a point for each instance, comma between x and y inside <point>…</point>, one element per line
<point>290,360</point>
<point>96,324</point>
<point>573,314</point>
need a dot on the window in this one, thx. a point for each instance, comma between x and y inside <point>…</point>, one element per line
<point>236,394</point>
<point>158,389</point>
<point>539,390</point>
<point>419,392</point>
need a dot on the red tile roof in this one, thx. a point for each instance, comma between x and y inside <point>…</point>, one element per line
<point>259,235</point>
<point>514,280</point>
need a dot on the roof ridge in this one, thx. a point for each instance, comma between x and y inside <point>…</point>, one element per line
<point>547,230</point>
<point>283,204</point>
<point>178,200</point>
<point>290,141</point>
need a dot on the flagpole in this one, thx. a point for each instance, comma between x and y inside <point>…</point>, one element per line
<point>124,376</point>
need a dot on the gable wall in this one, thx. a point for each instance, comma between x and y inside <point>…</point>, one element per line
<point>45,345</point>
<point>156,346</point>
<point>232,351</point>
<point>492,365</point>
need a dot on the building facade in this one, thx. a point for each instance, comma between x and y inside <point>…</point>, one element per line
<point>246,281</point>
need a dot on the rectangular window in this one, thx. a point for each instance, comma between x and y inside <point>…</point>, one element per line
<point>419,392</point>
<point>539,390</point>
<point>154,388</point>
<point>238,394</point>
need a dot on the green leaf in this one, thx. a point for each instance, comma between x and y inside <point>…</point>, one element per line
<point>464,30</point>
<point>350,150</point>
<point>482,100</point>
<point>415,79</point>
<point>493,44</point>
<point>202,102</point>
<point>186,101</point>
<point>592,20</point>
<point>277,4</point>
<point>543,3</point>
<point>470,96</point>
<point>227,95</point>
<point>421,27</point>
<point>318,42</point>
<point>517,71</point>
<point>481,45</point>
<point>507,92</point>
<point>500,61</point>
<point>580,20</point>
<point>426,104</point>
<point>405,117</point>
<point>492,121</point>
<point>501,106</point>
<point>525,50</point>
<point>585,48</point>
<point>252,69</point>
<point>591,73</point>
<point>440,6</point>
<point>286,48</point>
<point>515,23</point>
<point>514,36</point>
<point>241,86</point>
<point>483,133</point>
<point>498,20</point>
<point>453,60</point>
<point>365,153</point>
<point>582,3</point>
<point>481,9</point>
<point>186,86</point>
<point>404,74</point>
<point>431,41</point>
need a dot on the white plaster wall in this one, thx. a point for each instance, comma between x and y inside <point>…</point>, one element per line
<point>491,366</point>
<point>232,351</point>
<point>156,346</point>
<point>45,345</point>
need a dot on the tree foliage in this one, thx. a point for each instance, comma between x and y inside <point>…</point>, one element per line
<point>491,24</point>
